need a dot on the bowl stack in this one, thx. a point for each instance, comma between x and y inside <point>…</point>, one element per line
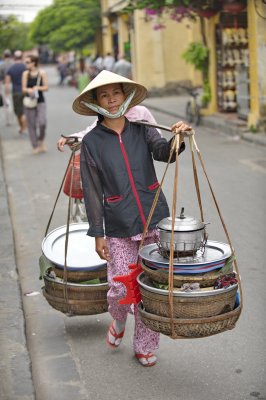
<point>198,308</point>
<point>81,287</point>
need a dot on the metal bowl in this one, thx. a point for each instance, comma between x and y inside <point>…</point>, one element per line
<point>145,283</point>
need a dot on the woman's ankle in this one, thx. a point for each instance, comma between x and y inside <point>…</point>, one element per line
<point>119,325</point>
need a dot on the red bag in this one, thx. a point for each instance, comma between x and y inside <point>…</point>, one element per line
<point>76,192</point>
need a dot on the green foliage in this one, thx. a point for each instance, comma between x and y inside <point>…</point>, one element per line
<point>253,129</point>
<point>67,24</point>
<point>206,95</point>
<point>197,54</point>
<point>155,4</point>
<point>14,34</point>
<point>164,4</point>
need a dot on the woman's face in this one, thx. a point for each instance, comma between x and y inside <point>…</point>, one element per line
<point>110,97</point>
<point>29,63</point>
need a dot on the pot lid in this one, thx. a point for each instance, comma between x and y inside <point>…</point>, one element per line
<point>182,223</point>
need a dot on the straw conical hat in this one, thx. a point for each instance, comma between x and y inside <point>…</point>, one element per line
<point>105,78</point>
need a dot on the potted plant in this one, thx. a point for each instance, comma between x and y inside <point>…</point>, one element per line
<point>197,54</point>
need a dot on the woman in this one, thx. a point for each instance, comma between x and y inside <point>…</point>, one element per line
<point>119,184</point>
<point>34,83</point>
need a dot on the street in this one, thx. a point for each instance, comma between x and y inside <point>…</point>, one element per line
<point>68,355</point>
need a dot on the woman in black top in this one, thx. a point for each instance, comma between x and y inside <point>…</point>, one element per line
<point>34,83</point>
<point>119,184</point>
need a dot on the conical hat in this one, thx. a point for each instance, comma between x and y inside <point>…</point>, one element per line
<point>106,78</point>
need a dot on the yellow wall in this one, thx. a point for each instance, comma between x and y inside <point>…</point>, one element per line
<point>156,54</point>
<point>257,57</point>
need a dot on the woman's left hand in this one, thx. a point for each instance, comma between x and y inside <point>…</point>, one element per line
<point>180,126</point>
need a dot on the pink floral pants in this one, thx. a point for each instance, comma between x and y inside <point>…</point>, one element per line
<point>124,251</point>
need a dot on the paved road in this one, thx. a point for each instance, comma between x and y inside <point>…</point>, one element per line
<point>68,355</point>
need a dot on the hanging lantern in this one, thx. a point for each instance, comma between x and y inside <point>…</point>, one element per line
<point>207,13</point>
<point>234,7</point>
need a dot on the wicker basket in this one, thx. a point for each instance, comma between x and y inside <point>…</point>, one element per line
<point>76,299</point>
<point>190,328</point>
<point>187,305</point>
<point>206,279</point>
<point>76,307</point>
<point>81,276</point>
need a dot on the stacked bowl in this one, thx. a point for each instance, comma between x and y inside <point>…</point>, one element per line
<point>198,265</point>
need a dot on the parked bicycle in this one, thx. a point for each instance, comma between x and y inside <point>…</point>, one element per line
<point>74,189</point>
<point>193,105</point>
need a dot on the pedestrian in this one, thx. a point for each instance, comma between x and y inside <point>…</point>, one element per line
<point>82,75</point>
<point>119,185</point>
<point>108,62</point>
<point>136,113</point>
<point>4,67</point>
<point>123,67</point>
<point>97,64</point>
<point>63,71</point>
<point>34,84</point>
<point>13,77</point>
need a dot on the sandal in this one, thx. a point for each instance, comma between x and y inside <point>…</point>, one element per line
<point>143,359</point>
<point>112,331</point>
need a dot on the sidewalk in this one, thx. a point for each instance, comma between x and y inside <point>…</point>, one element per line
<point>174,106</point>
<point>15,366</point>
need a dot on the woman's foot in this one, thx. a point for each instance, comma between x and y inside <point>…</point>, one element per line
<point>42,147</point>
<point>115,333</point>
<point>36,150</point>
<point>146,359</point>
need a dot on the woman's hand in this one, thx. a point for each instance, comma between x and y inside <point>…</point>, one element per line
<point>30,92</point>
<point>180,126</point>
<point>102,249</point>
<point>71,141</point>
<point>61,143</point>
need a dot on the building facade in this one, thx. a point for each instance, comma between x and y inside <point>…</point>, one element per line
<point>237,53</point>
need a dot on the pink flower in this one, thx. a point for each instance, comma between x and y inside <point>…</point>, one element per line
<point>158,26</point>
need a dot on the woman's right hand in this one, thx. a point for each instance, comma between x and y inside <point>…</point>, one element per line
<point>61,143</point>
<point>102,249</point>
<point>71,141</point>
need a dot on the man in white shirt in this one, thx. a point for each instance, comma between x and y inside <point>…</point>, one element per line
<point>123,67</point>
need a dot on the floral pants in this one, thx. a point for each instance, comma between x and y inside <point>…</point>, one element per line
<point>124,251</point>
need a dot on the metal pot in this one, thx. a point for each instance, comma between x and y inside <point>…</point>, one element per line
<point>189,233</point>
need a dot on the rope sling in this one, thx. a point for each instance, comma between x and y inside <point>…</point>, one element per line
<point>69,165</point>
<point>174,148</point>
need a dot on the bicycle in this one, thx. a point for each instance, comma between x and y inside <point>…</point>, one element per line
<point>193,107</point>
<point>77,206</point>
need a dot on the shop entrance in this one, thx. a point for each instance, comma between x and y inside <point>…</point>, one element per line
<point>233,64</point>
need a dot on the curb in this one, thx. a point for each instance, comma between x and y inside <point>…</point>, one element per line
<point>15,365</point>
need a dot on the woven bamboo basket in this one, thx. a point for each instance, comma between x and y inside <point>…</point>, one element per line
<point>76,299</point>
<point>206,279</point>
<point>190,328</point>
<point>81,276</point>
<point>76,307</point>
<point>205,303</point>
